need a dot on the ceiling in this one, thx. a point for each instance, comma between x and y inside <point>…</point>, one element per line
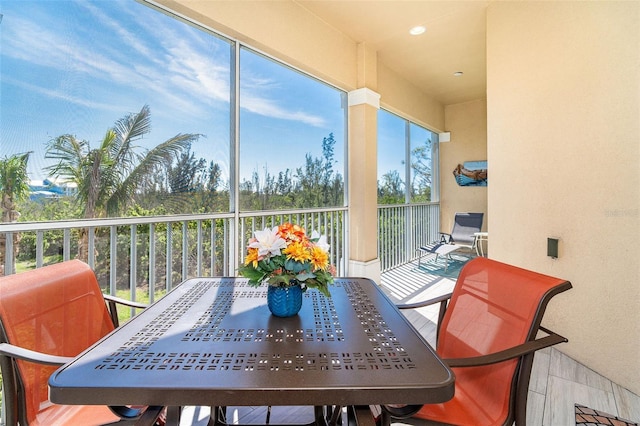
<point>454,40</point>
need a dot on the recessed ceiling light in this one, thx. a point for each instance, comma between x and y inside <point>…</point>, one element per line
<point>458,73</point>
<point>417,30</point>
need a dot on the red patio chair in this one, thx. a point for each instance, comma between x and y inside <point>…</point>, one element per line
<point>48,316</point>
<point>488,335</point>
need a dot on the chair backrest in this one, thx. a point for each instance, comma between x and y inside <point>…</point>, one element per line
<point>494,306</point>
<point>57,310</point>
<point>464,226</point>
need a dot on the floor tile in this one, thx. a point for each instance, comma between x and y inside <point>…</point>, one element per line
<point>628,403</point>
<point>562,395</point>
<point>535,408</point>
<point>564,367</point>
<point>540,372</point>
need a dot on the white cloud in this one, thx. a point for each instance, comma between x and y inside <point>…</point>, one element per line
<point>175,65</point>
<point>268,108</point>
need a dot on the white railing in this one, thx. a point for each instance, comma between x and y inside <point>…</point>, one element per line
<point>186,246</point>
<point>153,254</point>
<point>402,229</point>
<point>331,223</point>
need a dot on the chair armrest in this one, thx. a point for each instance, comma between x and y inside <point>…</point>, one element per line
<point>113,302</point>
<point>510,353</point>
<point>125,302</point>
<point>424,303</point>
<point>17,352</point>
<point>406,411</point>
<point>444,303</point>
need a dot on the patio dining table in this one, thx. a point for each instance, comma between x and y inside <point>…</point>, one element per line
<point>213,342</point>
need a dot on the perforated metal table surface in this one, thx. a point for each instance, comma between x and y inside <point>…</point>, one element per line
<point>213,342</point>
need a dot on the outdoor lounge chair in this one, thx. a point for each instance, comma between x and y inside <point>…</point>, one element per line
<point>462,235</point>
<point>465,225</point>
<point>488,333</point>
<point>48,316</point>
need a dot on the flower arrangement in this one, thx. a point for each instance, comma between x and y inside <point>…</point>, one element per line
<point>284,256</point>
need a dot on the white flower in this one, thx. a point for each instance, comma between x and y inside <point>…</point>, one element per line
<point>322,240</point>
<point>268,242</point>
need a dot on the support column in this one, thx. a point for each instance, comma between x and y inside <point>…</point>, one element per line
<point>363,187</point>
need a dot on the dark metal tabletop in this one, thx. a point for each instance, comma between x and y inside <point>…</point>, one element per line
<point>213,341</point>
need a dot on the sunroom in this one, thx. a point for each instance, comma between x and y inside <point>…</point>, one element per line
<point>546,93</point>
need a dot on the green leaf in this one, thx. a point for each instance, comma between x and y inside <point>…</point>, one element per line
<point>255,276</point>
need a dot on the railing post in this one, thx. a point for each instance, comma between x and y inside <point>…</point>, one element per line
<point>8,254</point>
<point>152,262</point>
<point>199,248</point>
<point>133,262</point>
<point>185,250</point>
<point>66,245</point>
<point>169,266</point>
<point>91,256</point>
<point>113,253</point>
<point>39,249</point>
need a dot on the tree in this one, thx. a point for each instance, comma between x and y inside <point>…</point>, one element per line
<point>316,183</point>
<point>421,177</point>
<point>185,176</point>
<point>213,177</point>
<point>108,176</point>
<point>14,186</point>
<point>391,189</point>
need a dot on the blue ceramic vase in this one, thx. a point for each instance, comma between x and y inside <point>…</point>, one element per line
<point>284,301</point>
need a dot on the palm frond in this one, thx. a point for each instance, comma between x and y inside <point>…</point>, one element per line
<point>161,155</point>
<point>70,152</point>
<point>128,129</point>
<point>14,179</point>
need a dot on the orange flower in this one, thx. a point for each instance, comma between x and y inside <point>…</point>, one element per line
<point>297,251</point>
<point>290,232</point>
<point>252,257</point>
<point>319,258</point>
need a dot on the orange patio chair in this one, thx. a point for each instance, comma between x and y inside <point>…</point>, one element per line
<point>488,333</point>
<point>48,316</point>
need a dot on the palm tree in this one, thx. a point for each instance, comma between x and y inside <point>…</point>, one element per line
<point>14,186</point>
<point>108,177</point>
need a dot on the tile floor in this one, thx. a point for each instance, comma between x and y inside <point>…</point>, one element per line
<point>557,381</point>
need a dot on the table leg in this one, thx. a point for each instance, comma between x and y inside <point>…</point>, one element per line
<point>333,415</point>
<point>360,415</point>
<point>173,415</point>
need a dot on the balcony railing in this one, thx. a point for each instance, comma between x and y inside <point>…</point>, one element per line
<point>147,256</point>
<point>402,229</point>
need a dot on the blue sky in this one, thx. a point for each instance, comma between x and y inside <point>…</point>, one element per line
<point>78,66</point>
